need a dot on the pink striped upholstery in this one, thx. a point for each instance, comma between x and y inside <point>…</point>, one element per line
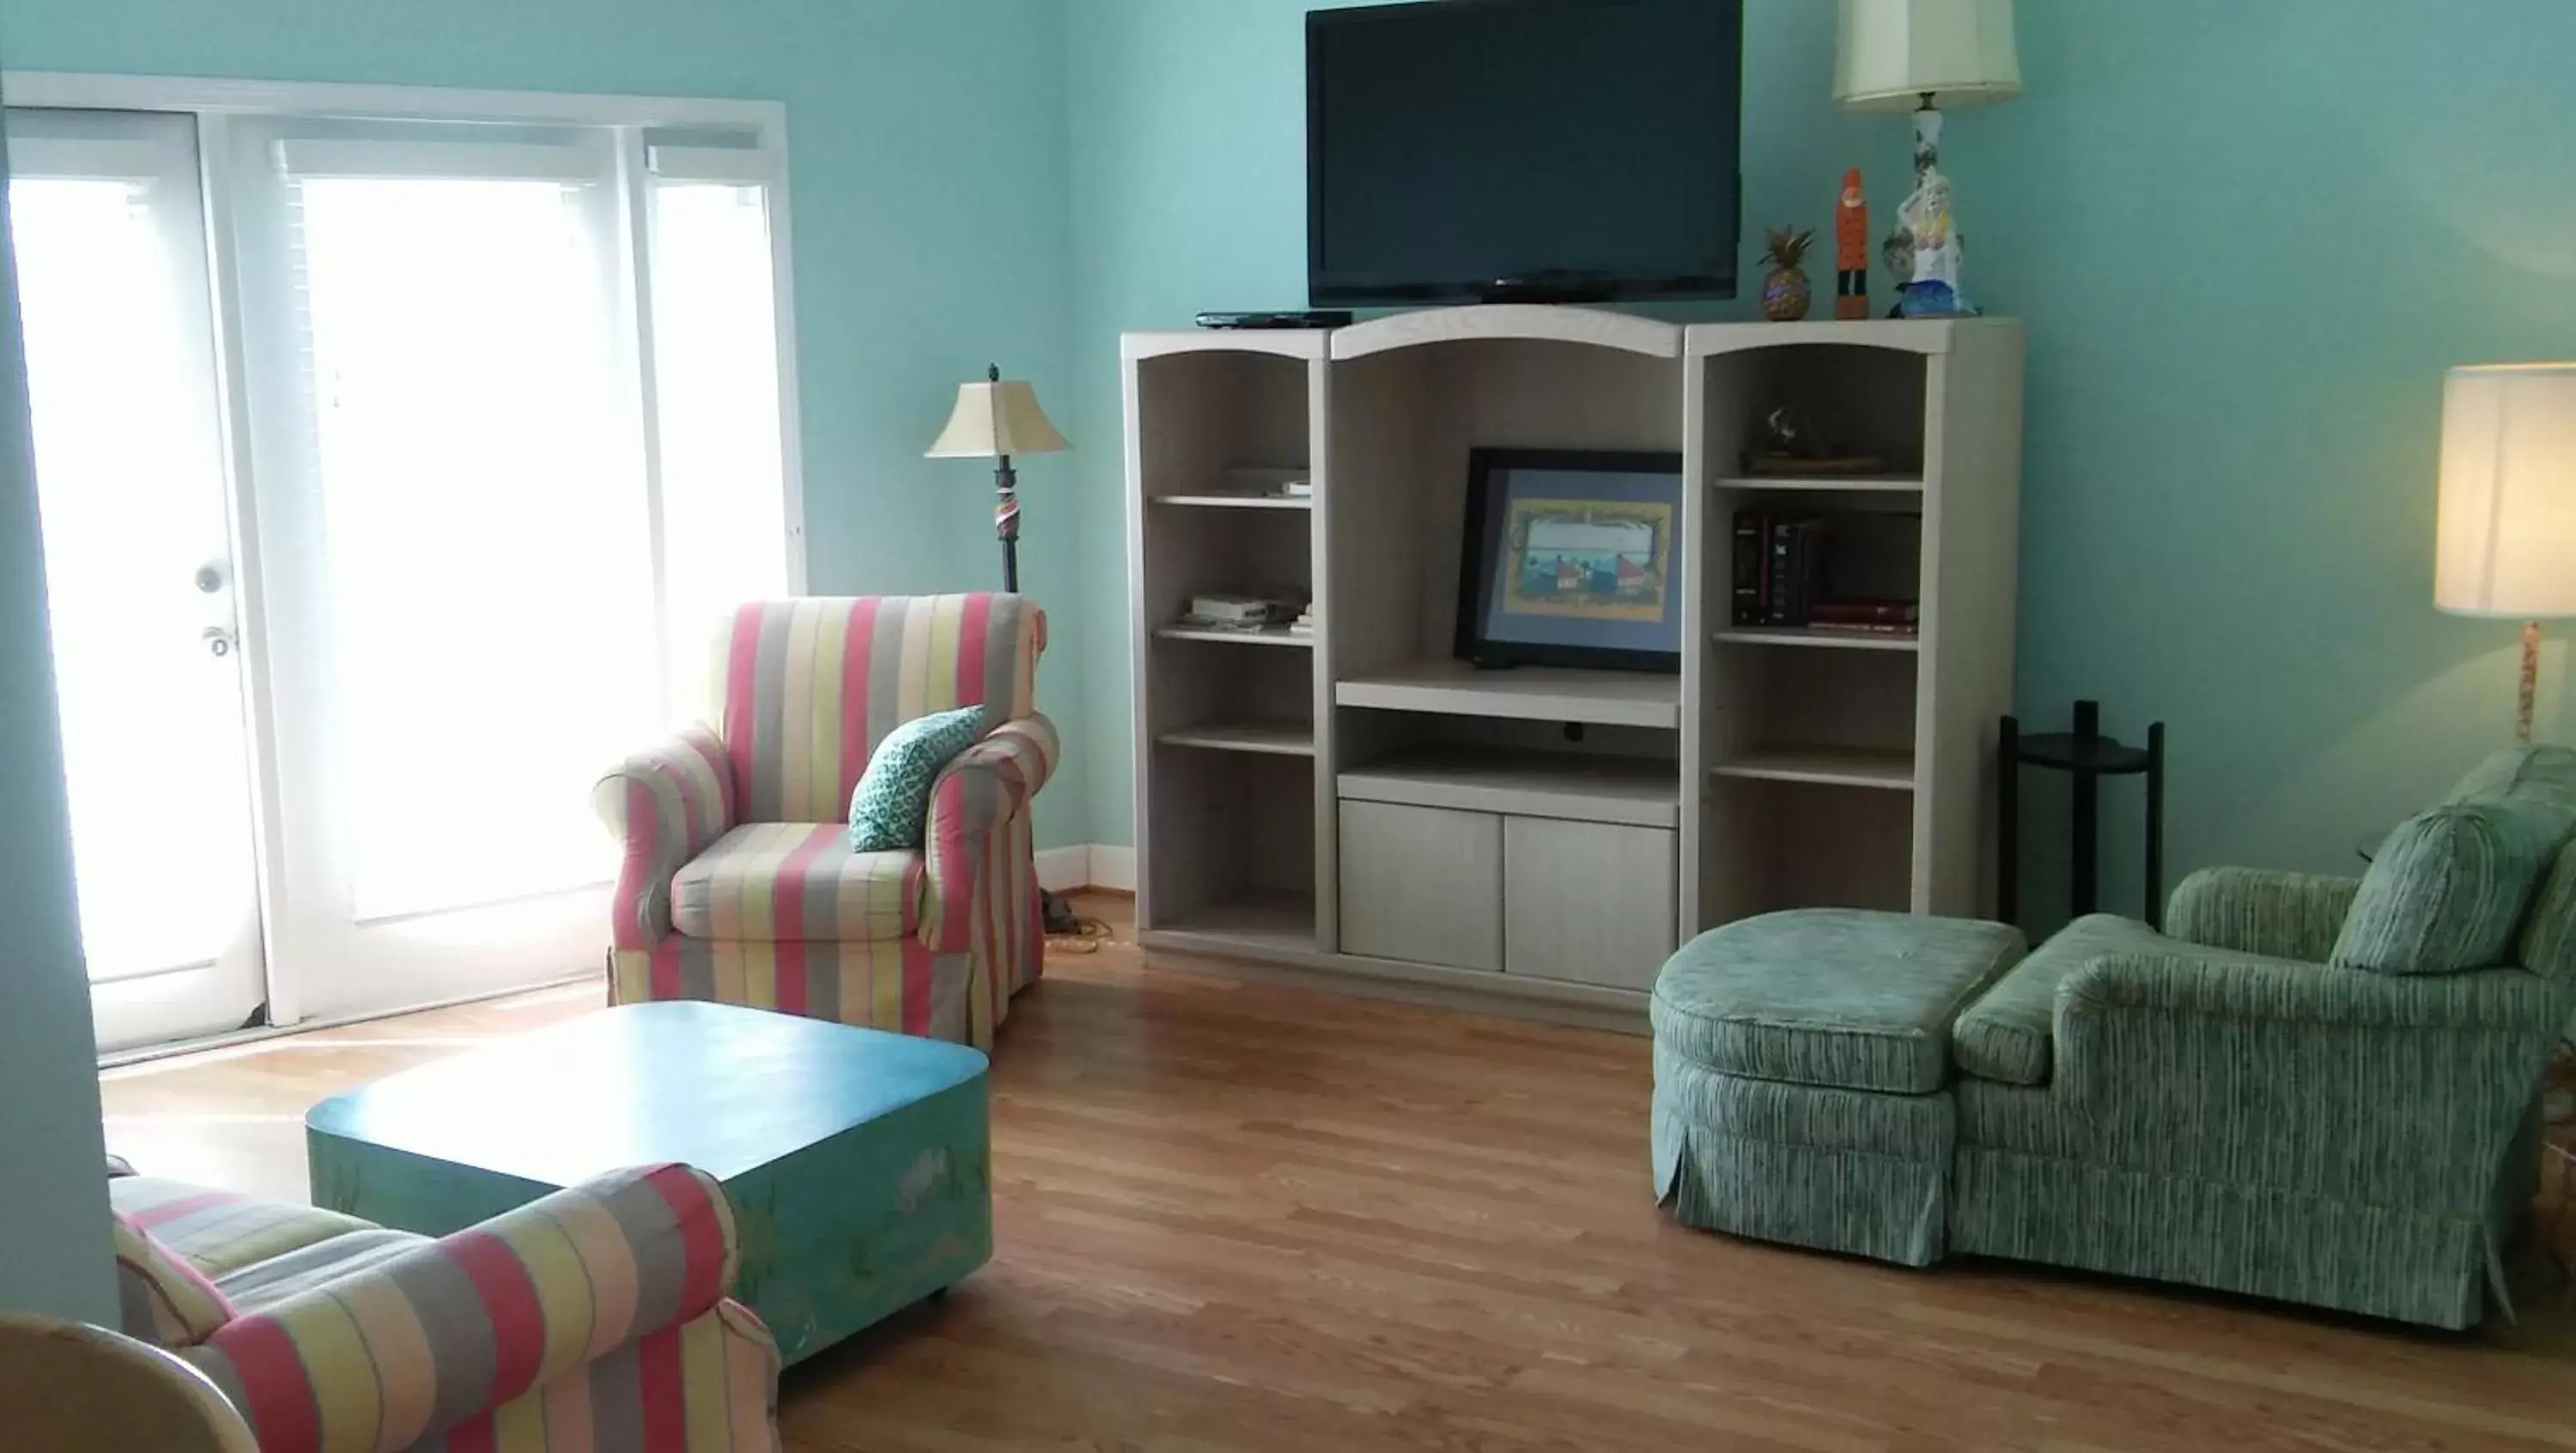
<point>811,686</point>
<point>738,883</point>
<point>796,882</point>
<point>593,1318</point>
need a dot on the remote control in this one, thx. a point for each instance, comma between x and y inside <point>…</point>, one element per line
<point>1311,318</point>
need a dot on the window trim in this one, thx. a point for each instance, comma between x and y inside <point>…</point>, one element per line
<point>216,103</point>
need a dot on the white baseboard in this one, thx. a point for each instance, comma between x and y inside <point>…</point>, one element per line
<point>1087,865</point>
<point>1113,867</point>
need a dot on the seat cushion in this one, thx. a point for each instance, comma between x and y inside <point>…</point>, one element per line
<point>796,882</point>
<point>1829,996</point>
<point>263,1284</point>
<point>2449,889</point>
<point>2004,1035</point>
<point>220,1232</point>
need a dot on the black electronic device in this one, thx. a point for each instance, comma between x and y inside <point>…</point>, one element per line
<point>1543,151</point>
<point>1301,318</point>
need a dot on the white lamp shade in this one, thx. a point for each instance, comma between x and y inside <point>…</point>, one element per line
<point>2506,542</point>
<point>994,419</point>
<point>1894,52</point>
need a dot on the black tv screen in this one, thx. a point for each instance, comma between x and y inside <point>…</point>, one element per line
<point>1554,150</point>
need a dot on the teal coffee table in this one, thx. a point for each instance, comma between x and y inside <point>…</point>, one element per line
<point>858,1163</point>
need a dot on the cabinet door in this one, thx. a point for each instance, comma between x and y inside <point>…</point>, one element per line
<point>1587,902</point>
<point>1422,884</point>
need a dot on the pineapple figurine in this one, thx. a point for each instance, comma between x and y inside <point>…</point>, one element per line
<point>1785,293</point>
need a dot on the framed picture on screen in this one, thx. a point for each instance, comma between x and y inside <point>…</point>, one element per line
<point>1572,558</point>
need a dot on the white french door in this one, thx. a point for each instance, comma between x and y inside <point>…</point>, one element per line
<point>461,574</point>
<point>109,223</point>
<point>348,411</point>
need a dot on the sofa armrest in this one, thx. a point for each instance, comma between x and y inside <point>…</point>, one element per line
<point>408,1347</point>
<point>2383,1089</point>
<point>666,805</point>
<point>2249,911</point>
<point>988,785</point>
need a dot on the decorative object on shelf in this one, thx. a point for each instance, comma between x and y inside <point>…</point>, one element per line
<point>1572,558</point>
<point>1851,250</point>
<point>1789,444</point>
<point>2089,756</point>
<point>2506,539</point>
<point>1901,54</point>
<point>994,420</point>
<point>1786,295</point>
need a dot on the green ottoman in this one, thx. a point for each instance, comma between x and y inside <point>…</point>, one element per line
<point>858,1163</point>
<point>1800,1060</point>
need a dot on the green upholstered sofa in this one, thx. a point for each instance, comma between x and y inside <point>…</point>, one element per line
<point>2322,1090</point>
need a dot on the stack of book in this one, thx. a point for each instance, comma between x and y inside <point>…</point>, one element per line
<point>1244,612</point>
<point>1780,581</point>
<point>1304,624</point>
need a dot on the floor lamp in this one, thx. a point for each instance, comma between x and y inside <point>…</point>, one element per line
<point>2506,540</point>
<point>994,420</point>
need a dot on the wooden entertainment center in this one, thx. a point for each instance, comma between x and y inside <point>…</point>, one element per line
<point>1357,801</point>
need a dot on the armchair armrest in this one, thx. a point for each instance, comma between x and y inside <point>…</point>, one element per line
<point>411,1346</point>
<point>666,804</point>
<point>988,785</point>
<point>2277,915</point>
<point>2384,1089</point>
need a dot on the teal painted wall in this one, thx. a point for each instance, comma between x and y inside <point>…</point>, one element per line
<point>54,1257</point>
<point>2246,240</point>
<point>929,171</point>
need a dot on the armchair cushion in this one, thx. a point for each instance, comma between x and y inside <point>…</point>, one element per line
<point>161,1299</point>
<point>796,882</point>
<point>892,800</point>
<point>2449,888</point>
<point>446,1331</point>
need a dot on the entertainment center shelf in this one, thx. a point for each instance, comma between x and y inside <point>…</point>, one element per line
<point>1529,693</point>
<point>1366,804</point>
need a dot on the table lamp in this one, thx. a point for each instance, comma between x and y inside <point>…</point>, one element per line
<point>994,420</point>
<point>1917,55</point>
<point>2505,544</point>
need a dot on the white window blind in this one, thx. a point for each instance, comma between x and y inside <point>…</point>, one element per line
<point>716,359</point>
<point>475,447</point>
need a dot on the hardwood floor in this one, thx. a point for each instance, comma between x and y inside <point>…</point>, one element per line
<point>1235,1216</point>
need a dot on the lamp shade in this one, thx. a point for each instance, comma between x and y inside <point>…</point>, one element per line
<point>997,418</point>
<point>2506,542</point>
<point>1894,52</point>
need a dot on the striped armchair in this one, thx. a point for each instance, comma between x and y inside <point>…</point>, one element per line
<point>739,884</point>
<point>596,1318</point>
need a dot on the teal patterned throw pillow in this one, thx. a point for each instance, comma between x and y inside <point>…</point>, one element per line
<point>892,801</point>
<point>2449,888</point>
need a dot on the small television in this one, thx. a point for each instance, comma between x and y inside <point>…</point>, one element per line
<point>1523,150</point>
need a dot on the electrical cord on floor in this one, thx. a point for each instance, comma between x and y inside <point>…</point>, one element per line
<point>1084,937</point>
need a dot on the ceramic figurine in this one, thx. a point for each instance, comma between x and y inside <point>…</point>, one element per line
<point>1785,293</point>
<point>1931,288</point>
<point>1851,250</point>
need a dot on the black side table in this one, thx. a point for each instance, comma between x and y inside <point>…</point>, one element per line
<point>2090,757</point>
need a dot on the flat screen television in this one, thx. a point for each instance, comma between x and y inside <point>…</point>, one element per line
<point>1538,150</point>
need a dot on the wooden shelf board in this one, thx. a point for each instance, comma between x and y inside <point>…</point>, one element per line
<point>1827,766</point>
<point>1272,738</point>
<point>1263,919</point>
<point>1527,693</point>
<point>1266,636</point>
<point>1217,500</point>
<point>1829,483</point>
<point>1827,638</point>
<point>1634,791</point>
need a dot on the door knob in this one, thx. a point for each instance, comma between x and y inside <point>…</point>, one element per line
<point>210,577</point>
